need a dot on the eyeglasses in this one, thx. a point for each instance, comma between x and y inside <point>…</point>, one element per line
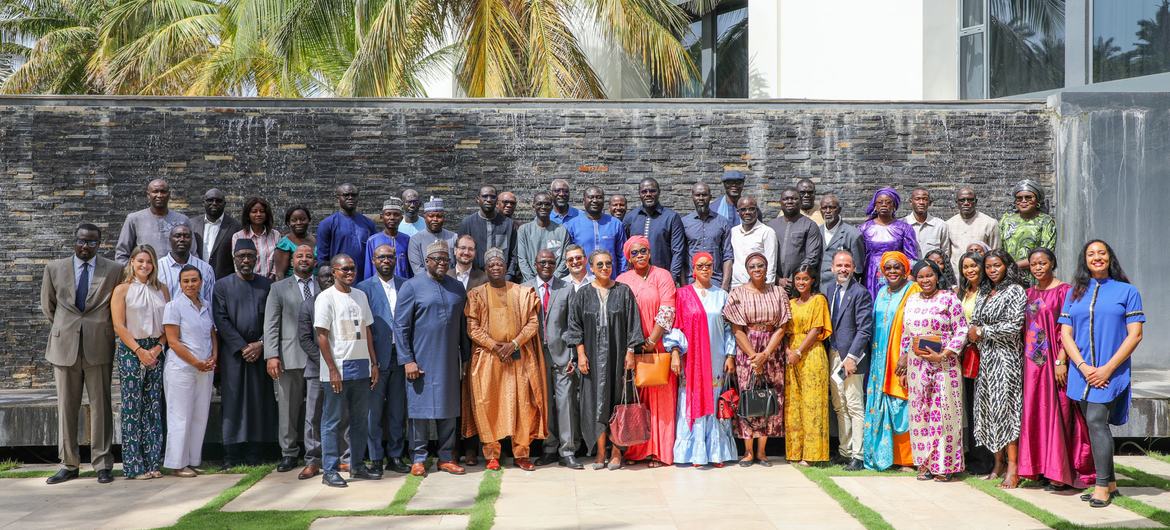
<point>440,261</point>
<point>347,270</point>
<point>384,257</point>
<point>546,262</point>
<point>640,252</point>
<point>754,266</point>
<point>91,243</point>
<point>745,210</point>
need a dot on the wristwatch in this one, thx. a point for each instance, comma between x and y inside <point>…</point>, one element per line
<point>1059,362</point>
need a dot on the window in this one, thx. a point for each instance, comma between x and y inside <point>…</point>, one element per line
<point>1130,38</point>
<point>1009,47</point>
<point>972,50</point>
<point>717,41</point>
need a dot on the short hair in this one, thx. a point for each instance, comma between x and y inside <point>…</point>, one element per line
<point>599,252</point>
<point>337,259</point>
<point>293,209</point>
<point>788,189</point>
<point>573,246</point>
<point>188,268</point>
<point>846,252</point>
<point>467,237</point>
<point>89,227</point>
<point>253,201</point>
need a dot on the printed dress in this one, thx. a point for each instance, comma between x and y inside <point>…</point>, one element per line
<point>762,314</point>
<point>887,416</point>
<point>999,387</point>
<point>935,389</point>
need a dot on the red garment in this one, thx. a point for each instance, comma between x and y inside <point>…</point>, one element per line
<point>651,294</point>
<point>691,319</point>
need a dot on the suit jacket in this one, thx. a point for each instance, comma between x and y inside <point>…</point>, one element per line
<point>383,328</point>
<point>846,237</point>
<point>556,322</point>
<point>852,323</point>
<point>280,324</point>
<point>307,337</point>
<point>475,279</point>
<point>221,249</point>
<point>92,329</point>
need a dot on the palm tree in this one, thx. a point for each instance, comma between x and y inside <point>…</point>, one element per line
<point>48,44</point>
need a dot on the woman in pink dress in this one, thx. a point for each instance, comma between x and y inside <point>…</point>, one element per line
<point>1054,443</point>
<point>654,292</point>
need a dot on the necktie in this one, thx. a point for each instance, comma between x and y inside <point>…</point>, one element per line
<point>544,299</point>
<point>837,302</point>
<point>305,290</point>
<point>82,287</point>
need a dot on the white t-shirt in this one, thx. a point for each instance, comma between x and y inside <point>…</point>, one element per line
<point>346,316</point>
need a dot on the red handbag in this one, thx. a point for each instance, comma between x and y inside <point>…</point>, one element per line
<point>970,360</point>
<point>728,401</point>
<point>630,423</point>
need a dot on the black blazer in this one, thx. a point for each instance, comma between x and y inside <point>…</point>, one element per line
<point>852,323</point>
<point>221,252</point>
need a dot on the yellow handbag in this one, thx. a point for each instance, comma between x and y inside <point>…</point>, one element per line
<point>652,369</point>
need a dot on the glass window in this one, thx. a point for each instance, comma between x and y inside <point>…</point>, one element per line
<point>1130,38</point>
<point>1026,46</point>
<point>972,13</point>
<point>974,68</point>
<point>731,54</point>
<point>693,42</point>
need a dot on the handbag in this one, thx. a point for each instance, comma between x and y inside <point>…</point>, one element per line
<point>970,360</point>
<point>758,400</point>
<point>728,400</point>
<point>630,422</point>
<point>652,369</point>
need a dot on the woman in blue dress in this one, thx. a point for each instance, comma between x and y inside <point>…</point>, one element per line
<point>701,438</point>
<point>1101,324</point>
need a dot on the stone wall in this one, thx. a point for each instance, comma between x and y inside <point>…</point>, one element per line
<point>71,160</point>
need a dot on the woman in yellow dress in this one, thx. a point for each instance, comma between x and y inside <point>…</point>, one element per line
<point>806,374</point>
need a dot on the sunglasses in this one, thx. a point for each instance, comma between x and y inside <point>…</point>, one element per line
<point>640,252</point>
<point>348,269</point>
<point>603,264</point>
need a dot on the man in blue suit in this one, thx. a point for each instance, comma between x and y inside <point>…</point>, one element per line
<point>851,311</point>
<point>387,418</point>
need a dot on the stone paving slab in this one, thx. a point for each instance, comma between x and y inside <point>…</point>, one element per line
<point>283,491</point>
<point>1153,466</point>
<point>907,503</point>
<point>83,503</point>
<point>1068,505</point>
<point>444,491</point>
<point>1156,497</point>
<point>397,522</point>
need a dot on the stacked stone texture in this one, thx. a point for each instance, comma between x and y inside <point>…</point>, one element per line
<point>67,161</point>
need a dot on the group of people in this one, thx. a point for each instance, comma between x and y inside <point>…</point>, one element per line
<point>353,343</point>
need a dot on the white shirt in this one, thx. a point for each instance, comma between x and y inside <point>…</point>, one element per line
<point>827,233</point>
<point>761,238</point>
<point>210,232</point>
<point>578,285</point>
<point>346,316</point>
<point>391,293</point>
<point>464,276</point>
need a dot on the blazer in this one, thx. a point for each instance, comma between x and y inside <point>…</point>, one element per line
<point>221,249</point>
<point>280,324</point>
<point>475,279</point>
<point>846,237</point>
<point>307,337</point>
<point>91,330</point>
<point>852,323</point>
<point>383,328</point>
<point>556,322</point>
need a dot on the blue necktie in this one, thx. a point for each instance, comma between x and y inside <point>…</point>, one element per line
<point>82,287</point>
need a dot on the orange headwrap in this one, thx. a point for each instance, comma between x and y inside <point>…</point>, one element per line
<point>897,256</point>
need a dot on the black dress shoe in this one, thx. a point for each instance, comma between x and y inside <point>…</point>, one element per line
<point>105,476</point>
<point>571,462</point>
<point>62,475</point>
<point>855,465</point>
<point>360,472</point>
<point>287,463</point>
<point>375,470</point>
<point>333,480</point>
<point>398,466</point>
<point>228,465</point>
<point>546,459</point>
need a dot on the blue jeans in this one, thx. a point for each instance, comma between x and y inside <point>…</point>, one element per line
<point>388,412</point>
<point>355,399</point>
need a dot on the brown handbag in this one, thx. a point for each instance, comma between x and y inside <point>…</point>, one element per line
<point>652,369</point>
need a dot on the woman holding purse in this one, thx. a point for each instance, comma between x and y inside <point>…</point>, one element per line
<point>929,368</point>
<point>654,292</point>
<point>996,326</point>
<point>806,392</point>
<point>605,329</point>
<point>700,437</point>
<point>758,312</point>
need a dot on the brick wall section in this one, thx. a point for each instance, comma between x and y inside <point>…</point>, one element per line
<point>69,160</point>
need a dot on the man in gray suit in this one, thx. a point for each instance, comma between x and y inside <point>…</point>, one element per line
<point>283,354</point>
<point>75,297</point>
<point>314,400</point>
<point>563,423</point>
<point>851,312</point>
<point>837,235</point>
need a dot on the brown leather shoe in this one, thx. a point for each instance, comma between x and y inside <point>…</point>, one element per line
<point>525,464</point>
<point>309,472</point>
<point>418,470</point>
<point>452,468</point>
<point>343,467</point>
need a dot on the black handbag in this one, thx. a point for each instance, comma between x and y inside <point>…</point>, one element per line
<point>758,400</point>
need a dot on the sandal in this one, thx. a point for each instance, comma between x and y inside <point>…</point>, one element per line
<point>764,462</point>
<point>1008,484</point>
<point>942,478</point>
<point>746,462</point>
<point>925,475</point>
<point>156,474</point>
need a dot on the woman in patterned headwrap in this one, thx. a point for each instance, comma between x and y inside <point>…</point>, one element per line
<point>884,232</point>
<point>1029,226</point>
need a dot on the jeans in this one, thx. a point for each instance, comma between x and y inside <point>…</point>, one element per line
<point>354,398</point>
<point>387,418</point>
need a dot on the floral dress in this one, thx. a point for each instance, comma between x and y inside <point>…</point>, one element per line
<point>935,389</point>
